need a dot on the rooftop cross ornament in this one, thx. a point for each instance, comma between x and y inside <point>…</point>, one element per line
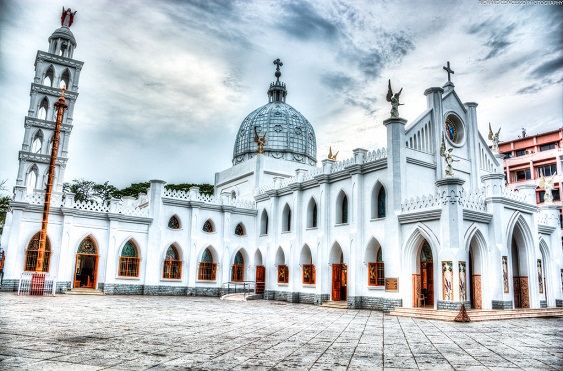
<point>449,70</point>
<point>278,63</point>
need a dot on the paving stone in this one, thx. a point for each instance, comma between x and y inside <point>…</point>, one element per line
<point>180,332</point>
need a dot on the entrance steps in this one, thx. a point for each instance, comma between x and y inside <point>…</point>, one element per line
<point>81,291</point>
<point>476,314</point>
<point>343,304</point>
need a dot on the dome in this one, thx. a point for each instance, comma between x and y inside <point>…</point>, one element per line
<point>287,133</point>
<point>63,33</point>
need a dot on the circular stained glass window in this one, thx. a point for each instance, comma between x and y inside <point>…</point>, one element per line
<point>454,129</point>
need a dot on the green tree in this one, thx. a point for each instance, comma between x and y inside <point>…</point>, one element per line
<point>134,189</point>
<point>105,192</point>
<point>204,188</point>
<point>82,189</point>
<point>4,208</point>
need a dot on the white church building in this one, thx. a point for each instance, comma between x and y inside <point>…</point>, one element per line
<point>385,228</point>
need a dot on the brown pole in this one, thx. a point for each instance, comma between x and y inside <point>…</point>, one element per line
<point>60,106</point>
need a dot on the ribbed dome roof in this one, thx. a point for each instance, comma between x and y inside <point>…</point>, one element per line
<point>64,33</point>
<point>289,135</point>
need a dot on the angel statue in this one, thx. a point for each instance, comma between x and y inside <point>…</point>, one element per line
<point>547,185</point>
<point>447,155</point>
<point>332,156</point>
<point>260,140</point>
<point>394,99</point>
<point>494,138</point>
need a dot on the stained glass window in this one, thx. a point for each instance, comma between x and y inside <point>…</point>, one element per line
<point>239,230</point>
<point>426,254</point>
<point>129,261</point>
<point>129,249</point>
<point>87,246</point>
<point>379,255</point>
<point>207,226</point>
<point>32,253</point>
<point>172,265</point>
<point>451,130</point>
<point>381,203</point>
<point>172,253</point>
<point>238,258</point>
<point>207,257</point>
<point>174,223</point>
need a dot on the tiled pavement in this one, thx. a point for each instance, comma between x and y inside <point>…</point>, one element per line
<point>141,332</point>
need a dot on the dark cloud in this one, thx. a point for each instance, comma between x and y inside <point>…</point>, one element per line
<point>301,20</point>
<point>531,89</point>
<point>548,68</point>
<point>499,41</point>
<point>338,81</point>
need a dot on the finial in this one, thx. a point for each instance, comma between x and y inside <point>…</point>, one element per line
<point>448,70</point>
<point>67,17</point>
<point>332,156</point>
<point>62,97</point>
<point>394,99</point>
<point>278,63</point>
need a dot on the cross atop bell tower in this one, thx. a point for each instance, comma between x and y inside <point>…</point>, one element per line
<point>449,85</point>
<point>54,69</point>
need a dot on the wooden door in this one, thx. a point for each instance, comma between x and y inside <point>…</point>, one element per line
<point>517,299</point>
<point>336,281</point>
<point>476,299</point>
<point>260,279</point>
<point>416,289</point>
<point>430,283</point>
<point>86,271</point>
<point>524,293</point>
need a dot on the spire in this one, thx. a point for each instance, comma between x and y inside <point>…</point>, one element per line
<point>277,91</point>
<point>62,41</point>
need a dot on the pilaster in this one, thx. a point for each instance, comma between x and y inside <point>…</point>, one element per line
<point>154,255</point>
<point>434,102</point>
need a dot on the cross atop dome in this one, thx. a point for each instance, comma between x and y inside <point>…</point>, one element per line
<point>278,64</point>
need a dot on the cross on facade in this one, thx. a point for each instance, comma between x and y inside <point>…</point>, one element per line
<point>449,70</point>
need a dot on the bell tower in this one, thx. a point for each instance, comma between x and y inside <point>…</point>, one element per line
<point>53,70</point>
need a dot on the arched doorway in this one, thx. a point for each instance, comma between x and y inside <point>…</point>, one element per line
<point>260,273</point>
<point>423,282</point>
<point>519,258</point>
<point>85,274</point>
<point>238,268</point>
<point>475,271</point>
<point>339,274</point>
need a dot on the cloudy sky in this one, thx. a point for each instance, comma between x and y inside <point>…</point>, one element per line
<point>166,84</point>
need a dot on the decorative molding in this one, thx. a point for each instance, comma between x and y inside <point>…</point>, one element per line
<point>48,57</point>
<point>476,216</point>
<point>420,216</point>
<point>414,161</point>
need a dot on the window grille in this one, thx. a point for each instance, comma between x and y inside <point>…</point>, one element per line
<point>32,253</point>
<point>207,271</point>
<point>207,226</point>
<point>309,274</point>
<point>283,274</point>
<point>172,265</point>
<point>173,223</point>
<point>129,260</point>
<point>239,230</point>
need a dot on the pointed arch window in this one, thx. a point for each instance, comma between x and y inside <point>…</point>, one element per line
<point>376,270</point>
<point>238,268</point>
<point>129,260</point>
<point>49,77</point>
<point>174,222</point>
<point>264,223</point>
<point>309,273</point>
<point>344,206</point>
<point>32,253</point>
<point>208,226</point>
<point>207,268</point>
<point>286,219</point>
<point>381,202</point>
<point>87,246</point>
<point>31,179</point>
<point>312,214</point>
<point>172,264</point>
<point>37,142</point>
<point>239,230</point>
<point>65,80</point>
<point>43,109</point>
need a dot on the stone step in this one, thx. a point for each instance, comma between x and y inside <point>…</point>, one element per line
<point>77,291</point>
<point>342,304</point>
<point>476,315</point>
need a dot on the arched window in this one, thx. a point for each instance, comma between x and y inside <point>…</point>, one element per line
<point>43,109</point>
<point>37,142</point>
<point>32,253</point>
<point>48,79</point>
<point>173,222</point>
<point>239,230</point>
<point>87,246</point>
<point>172,265</point>
<point>264,223</point>
<point>286,219</point>
<point>377,271</point>
<point>238,268</point>
<point>283,270</point>
<point>312,214</point>
<point>342,208</point>
<point>129,260</point>
<point>381,202</point>
<point>308,269</point>
<point>207,269</point>
<point>65,80</point>
<point>31,179</point>
<point>208,226</point>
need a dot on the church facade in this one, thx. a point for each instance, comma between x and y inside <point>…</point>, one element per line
<point>384,228</point>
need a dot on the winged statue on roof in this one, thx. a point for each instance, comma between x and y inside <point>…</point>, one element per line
<point>260,140</point>
<point>394,99</point>
<point>495,138</point>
